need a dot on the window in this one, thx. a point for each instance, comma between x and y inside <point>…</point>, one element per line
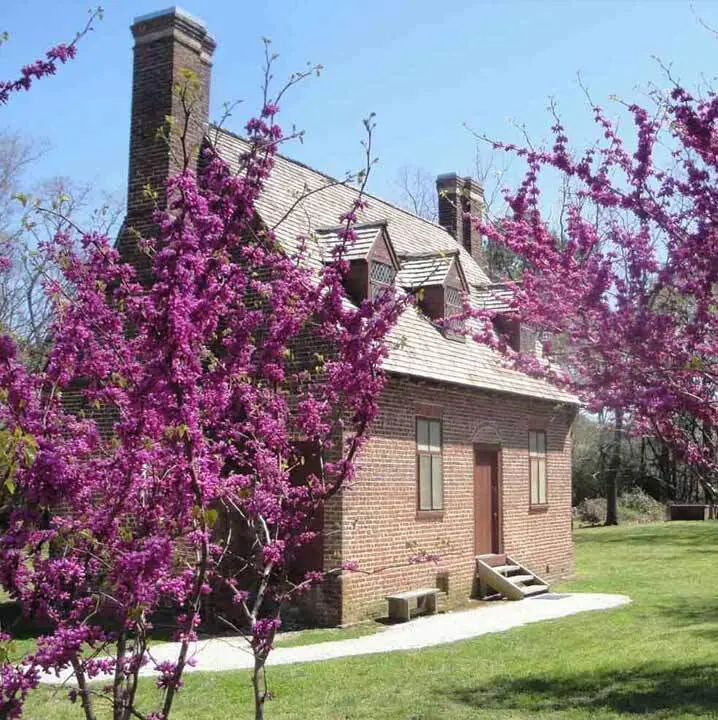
<point>428,464</point>
<point>453,306</point>
<point>527,339</point>
<point>537,467</point>
<point>381,278</point>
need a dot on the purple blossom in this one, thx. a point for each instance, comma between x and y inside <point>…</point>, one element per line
<point>209,414</point>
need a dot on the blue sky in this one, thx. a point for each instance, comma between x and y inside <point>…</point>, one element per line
<point>424,67</point>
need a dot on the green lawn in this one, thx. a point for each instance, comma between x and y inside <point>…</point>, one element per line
<point>320,635</point>
<point>656,658</point>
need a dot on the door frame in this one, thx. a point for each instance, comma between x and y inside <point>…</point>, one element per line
<point>492,448</point>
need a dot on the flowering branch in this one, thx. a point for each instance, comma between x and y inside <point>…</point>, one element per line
<point>55,56</point>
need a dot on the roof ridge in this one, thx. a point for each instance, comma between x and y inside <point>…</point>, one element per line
<point>355,226</point>
<point>427,255</point>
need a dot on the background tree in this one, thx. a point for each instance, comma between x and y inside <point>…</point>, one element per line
<point>646,463</point>
<point>24,311</point>
<point>417,194</point>
<point>32,216</point>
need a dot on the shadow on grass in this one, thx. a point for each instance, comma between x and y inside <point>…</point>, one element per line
<point>22,627</point>
<point>18,625</point>
<point>696,614</point>
<point>647,689</point>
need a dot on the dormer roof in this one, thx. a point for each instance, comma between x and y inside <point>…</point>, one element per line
<point>430,269</point>
<point>367,235</point>
<point>496,296</point>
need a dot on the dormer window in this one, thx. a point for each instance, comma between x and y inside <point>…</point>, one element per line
<point>438,281</point>
<point>453,306</point>
<point>528,338</point>
<point>381,278</point>
<point>518,336</point>
<point>373,263</point>
<point>509,330</point>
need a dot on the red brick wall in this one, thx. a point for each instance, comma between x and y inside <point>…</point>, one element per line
<point>380,524</point>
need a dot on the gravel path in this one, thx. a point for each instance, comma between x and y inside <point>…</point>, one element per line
<point>233,653</point>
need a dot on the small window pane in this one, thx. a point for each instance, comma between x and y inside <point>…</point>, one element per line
<point>435,436</point>
<point>537,467</point>
<point>454,305</point>
<point>542,480</point>
<point>534,480</point>
<point>382,273</point>
<point>381,278</point>
<point>425,482</point>
<point>541,442</point>
<point>422,435</point>
<point>437,499</point>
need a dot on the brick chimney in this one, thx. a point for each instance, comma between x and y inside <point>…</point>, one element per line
<point>457,196</point>
<point>166,42</point>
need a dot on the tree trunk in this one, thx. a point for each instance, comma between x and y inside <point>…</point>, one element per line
<point>665,465</point>
<point>119,705</point>
<point>643,470</point>
<point>83,691</point>
<point>258,685</point>
<point>613,470</point>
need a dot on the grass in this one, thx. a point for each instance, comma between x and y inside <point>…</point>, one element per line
<point>320,635</point>
<point>656,658</point>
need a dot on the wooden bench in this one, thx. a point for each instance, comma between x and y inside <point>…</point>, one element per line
<point>687,511</point>
<point>417,602</point>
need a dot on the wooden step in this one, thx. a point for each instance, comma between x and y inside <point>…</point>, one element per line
<point>534,589</point>
<point>499,573</point>
<point>521,578</point>
<point>506,569</point>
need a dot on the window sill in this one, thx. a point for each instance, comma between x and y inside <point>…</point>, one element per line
<point>538,508</point>
<point>430,515</point>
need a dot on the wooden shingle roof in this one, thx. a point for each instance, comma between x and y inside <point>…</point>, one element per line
<point>417,271</point>
<point>299,202</point>
<point>365,236</point>
<point>495,297</point>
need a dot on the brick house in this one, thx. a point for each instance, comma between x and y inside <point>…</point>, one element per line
<point>466,457</point>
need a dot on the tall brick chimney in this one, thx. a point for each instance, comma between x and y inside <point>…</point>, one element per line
<point>457,196</point>
<point>166,42</point>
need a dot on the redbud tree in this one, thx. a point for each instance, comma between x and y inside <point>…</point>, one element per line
<point>211,407</point>
<point>627,283</point>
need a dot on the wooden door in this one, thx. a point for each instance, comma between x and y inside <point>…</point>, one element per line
<point>486,501</point>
